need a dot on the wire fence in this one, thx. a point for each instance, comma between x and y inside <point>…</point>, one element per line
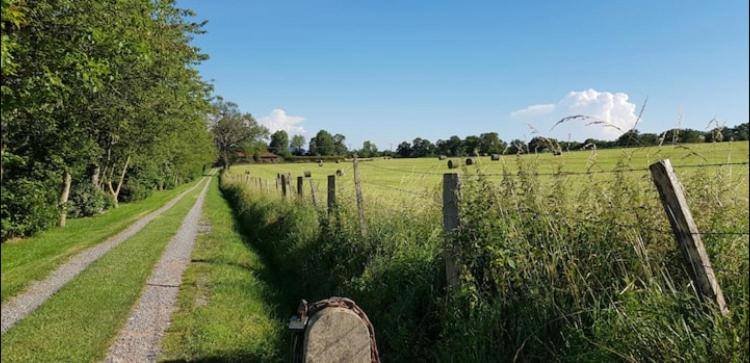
<point>425,196</point>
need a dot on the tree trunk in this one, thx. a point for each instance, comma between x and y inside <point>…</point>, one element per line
<point>116,192</point>
<point>226,161</point>
<point>64,198</point>
<point>95,175</point>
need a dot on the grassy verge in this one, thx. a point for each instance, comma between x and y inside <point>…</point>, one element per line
<point>224,312</point>
<point>580,269</point>
<point>79,322</point>
<point>30,259</point>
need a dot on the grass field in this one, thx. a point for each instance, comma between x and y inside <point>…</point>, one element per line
<point>78,323</point>
<point>29,259</point>
<point>414,180</point>
<point>553,267</point>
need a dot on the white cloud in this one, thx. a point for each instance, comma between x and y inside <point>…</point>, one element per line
<point>612,108</point>
<point>280,120</point>
<point>534,110</point>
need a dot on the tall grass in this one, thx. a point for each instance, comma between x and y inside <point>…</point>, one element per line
<point>568,268</point>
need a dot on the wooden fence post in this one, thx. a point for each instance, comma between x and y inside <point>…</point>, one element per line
<point>451,188</point>
<point>283,185</point>
<point>312,193</point>
<point>331,193</point>
<point>687,234</point>
<point>360,203</point>
<point>278,180</point>
<point>300,184</point>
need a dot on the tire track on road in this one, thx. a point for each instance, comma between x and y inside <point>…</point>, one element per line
<point>139,340</point>
<point>21,305</point>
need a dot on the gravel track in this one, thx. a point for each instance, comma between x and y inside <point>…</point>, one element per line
<point>18,307</point>
<point>139,340</point>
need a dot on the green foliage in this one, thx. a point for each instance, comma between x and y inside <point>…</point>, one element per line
<point>105,86</point>
<point>563,268</point>
<point>86,200</point>
<point>233,131</point>
<point>135,190</point>
<point>322,144</point>
<point>27,206</point>
<point>298,144</point>
<point>279,143</point>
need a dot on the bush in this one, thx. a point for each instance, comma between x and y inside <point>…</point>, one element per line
<point>134,190</point>
<point>26,206</point>
<point>86,200</point>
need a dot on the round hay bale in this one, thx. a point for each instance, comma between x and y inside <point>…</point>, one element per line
<point>339,172</point>
<point>483,154</point>
<point>442,157</point>
<point>338,161</point>
<point>495,157</point>
<point>470,161</point>
<point>452,164</point>
<point>308,173</point>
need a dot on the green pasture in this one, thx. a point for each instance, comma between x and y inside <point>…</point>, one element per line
<point>418,180</point>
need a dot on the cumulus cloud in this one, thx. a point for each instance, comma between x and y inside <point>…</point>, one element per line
<point>280,120</point>
<point>613,108</point>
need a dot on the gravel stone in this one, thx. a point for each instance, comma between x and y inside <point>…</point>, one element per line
<point>139,340</point>
<point>21,305</point>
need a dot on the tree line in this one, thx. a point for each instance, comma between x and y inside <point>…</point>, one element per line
<point>324,144</point>
<point>101,103</point>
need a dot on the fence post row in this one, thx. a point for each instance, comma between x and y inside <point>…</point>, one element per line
<point>300,181</point>
<point>687,234</point>
<point>451,188</point>
<point>358,194</point>
<point>331,193</point>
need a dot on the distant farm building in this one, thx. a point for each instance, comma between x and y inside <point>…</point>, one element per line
<point>268,157</point>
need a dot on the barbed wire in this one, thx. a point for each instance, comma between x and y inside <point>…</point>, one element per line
<point>623,225</point>
<point>565,173</point>
<point>558,215</point>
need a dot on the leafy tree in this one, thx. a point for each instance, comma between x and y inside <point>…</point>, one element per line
<point>455,146</point>
<point>422,147</point>
<point>279,143</point>
<point>297,144</point>
<point>490,143</point>
<point>368,149</point>
<point>338,144</point>
<point>322,144</point>
<point>104,93</point>
<point>471,145</point>
<point>231,129</point>
<point>404,149</point>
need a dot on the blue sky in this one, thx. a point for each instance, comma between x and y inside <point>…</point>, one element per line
<point>389,71</point>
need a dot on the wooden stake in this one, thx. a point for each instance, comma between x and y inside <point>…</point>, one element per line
<point>687,234</point>
<point>312,193</point>
<point>300,184</point>
<point>451,188</point>
<point>331,194</point>
<point>283,185</point>
<point>360,203</point>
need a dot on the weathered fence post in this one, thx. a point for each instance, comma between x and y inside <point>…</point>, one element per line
<point>300,184</point>
<point>278,181</point>
<point>687,234</point>
<point>451,187</point>
<point>331,193</point>
<point>283,185</point>
<point>360,203</point>
<point>312,193</point>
